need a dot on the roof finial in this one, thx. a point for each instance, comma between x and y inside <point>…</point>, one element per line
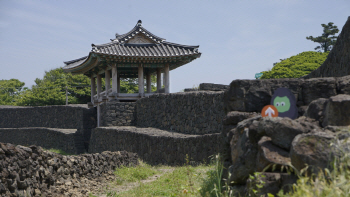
<point>139,23</point>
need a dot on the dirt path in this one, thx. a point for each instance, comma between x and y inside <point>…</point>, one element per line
<point>116,189</point>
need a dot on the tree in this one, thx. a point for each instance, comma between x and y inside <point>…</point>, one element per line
<point>51,90</point>
<point>9,91</point>
<point>296,66</point>
<point>325,41</point>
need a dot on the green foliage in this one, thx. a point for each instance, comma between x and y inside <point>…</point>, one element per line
<point>325,41</point>
<point>9,91</point>
<point>296,66</point>
<point>51,90</point>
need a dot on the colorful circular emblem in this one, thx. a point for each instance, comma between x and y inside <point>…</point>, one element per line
<point>269,111</point>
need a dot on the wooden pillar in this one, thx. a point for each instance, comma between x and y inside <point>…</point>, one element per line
<point>107,80</point>
<point>93,88</point>
<point>148,82</point>
<point>118,80</point>
<point>99,86</point>
<point>114,79</point>
<point>159,79</point>
<point>140,76</point>
<point>167,78</point>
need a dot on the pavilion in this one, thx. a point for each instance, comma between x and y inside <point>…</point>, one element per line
<point>135,54</point>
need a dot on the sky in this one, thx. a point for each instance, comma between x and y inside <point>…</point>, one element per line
<point>237,38</point>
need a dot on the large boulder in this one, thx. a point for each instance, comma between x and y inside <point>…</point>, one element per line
<point>270,156</point>
<point>313,89</point>
<point>243,153</point>
<point>281,130</point>
<point>253,95</point>
<point>312,149</point>
<point>337,112</point>
<point>271,182</point>
<point>316,108</point>
<point>343,85</point>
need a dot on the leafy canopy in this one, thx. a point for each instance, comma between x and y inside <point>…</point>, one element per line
<point>51,89</point>
<point>296,66</point>
<point>327,40</point>
<point>9,91</point>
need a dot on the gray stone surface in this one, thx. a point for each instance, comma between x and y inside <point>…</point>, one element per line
<point>191,113</point>
<point>253,95</point>
<point>316,108</point>
<point>315,88</point>
<point>337,112</point>
<point>337,63</point>
<point>58,116</point>
<point>30,171</point>
<point>68,140</point>
<point>281,130</point>
<point>213,87</point>
<point>114,113</point>
<point>156,146</point>
<point>270,156</point>
<point>313,149</point>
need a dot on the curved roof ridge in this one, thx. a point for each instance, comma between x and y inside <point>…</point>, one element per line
<point>138,28</point>
<point>75,60</point>
<point>180,45</point>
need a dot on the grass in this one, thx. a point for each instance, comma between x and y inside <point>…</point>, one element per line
<point>58,151</point>
<point>133,174</point>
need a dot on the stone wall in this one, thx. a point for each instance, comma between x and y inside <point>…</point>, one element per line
<point>114,113</point>
<point>156,146</point>
<point>253,95</point>
<point>34,172</point>
<point>190,113</point>
<point>68,140</point>
<point>337,63</point>
<point>213,87</point>
<point>59,116</point>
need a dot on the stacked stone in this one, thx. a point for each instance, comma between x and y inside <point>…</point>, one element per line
<point>253,95</point>
<point>114,113</point>
<point>156,146</point>
<point>194,113</point>
<point>213,87</point>
<point>269,145</point>
<point>30,171</point>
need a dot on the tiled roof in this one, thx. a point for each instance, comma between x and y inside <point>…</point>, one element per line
<point>146,50</point>
<point>119,47</point>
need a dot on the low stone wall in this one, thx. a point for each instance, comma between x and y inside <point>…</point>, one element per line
<point>253,95</point>
<point>213,87</point>
<point>68,140</point>
<point>156,146</point>
<point>190,113</point>
<point>114,113</point>
<point>34,172</point>
<point>56,116</point>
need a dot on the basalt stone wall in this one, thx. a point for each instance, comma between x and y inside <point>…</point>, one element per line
<point>30,171</point>
<point>191,112</point>
<point>213,87</point>
<point>156,146</point>
<point>68,140</point>
<point>337,63</point>
<point>253,95</point>
<point>58,116</point>
<point>114,113</point>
